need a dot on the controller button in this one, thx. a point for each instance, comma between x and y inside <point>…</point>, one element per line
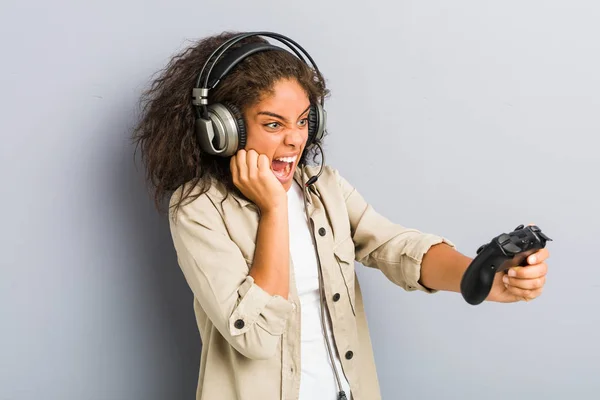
<point>543,235</point>
<point>504,238</point>
<point>481,248</point>
<point>519,227</point>
<point>511,248</point>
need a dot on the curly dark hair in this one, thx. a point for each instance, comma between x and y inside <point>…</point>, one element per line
<point>165,131</point>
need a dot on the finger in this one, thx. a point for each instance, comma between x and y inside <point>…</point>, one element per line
<point>264,165</point>
<point>529,272</point>
<point>241,165</point>
<point>525,294</point>
<point>528,284</point>
<point>252,163</point>
<point>234,169</point>
<point>538,256</point>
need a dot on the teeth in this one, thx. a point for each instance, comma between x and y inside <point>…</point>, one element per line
<point>287,159</point>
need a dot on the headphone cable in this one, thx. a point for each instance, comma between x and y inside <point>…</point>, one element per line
<point>341,393</point>
<point>313,179</point>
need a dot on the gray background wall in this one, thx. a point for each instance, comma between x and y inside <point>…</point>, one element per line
<point>462,118</point>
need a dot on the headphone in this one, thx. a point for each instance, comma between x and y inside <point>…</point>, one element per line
<point>220,127</point>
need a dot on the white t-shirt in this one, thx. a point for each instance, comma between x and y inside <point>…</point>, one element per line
<point>317,378</point>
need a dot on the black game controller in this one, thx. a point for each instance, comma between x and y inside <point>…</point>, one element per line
<point>502,252</point>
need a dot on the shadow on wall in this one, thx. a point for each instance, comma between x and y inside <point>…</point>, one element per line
<point>163,297</point>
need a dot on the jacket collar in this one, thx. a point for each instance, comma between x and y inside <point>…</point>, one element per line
<point>299,175</point>
<point>242,201</point>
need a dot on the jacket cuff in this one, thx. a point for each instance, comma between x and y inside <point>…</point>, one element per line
<point>256,306</point>
<point>415,251</point>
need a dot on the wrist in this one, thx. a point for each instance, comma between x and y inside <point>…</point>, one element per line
<point>443,267</point>
<point>275,210</point>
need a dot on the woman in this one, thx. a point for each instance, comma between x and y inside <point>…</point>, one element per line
<point>257,237</point>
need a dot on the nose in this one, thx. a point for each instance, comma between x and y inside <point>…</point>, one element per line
<point>295,137</point>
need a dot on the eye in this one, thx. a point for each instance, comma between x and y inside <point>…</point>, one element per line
<point>303,122</point>
<point>272,125</point>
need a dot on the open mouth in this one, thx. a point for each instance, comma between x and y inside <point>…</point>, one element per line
<point>282,166</point>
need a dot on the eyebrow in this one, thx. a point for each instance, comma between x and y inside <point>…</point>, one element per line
<point>270,114</point>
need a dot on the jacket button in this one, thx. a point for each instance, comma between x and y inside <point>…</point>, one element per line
<point>336,297</point>
<point>322,231</point>
<point>349,355</point>
<point>239,324</point>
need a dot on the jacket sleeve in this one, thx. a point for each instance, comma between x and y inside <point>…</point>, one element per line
<point>248,317</point>
<point>395,250</point>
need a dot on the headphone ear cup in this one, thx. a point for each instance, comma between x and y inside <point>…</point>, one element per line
<point>313,125</point>
<point>239,122</point>
<point>222,131</point>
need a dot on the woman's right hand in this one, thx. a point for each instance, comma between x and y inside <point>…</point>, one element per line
<point>253,176</point>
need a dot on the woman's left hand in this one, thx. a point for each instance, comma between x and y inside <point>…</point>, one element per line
<point>521,283</point>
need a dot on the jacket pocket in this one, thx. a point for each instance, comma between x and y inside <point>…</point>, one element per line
<point>344,254</point>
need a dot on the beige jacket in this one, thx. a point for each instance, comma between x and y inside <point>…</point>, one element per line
<point>251,340</point>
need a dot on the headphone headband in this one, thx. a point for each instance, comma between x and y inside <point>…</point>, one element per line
<point>200,93</point>
<point>233,58</point>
